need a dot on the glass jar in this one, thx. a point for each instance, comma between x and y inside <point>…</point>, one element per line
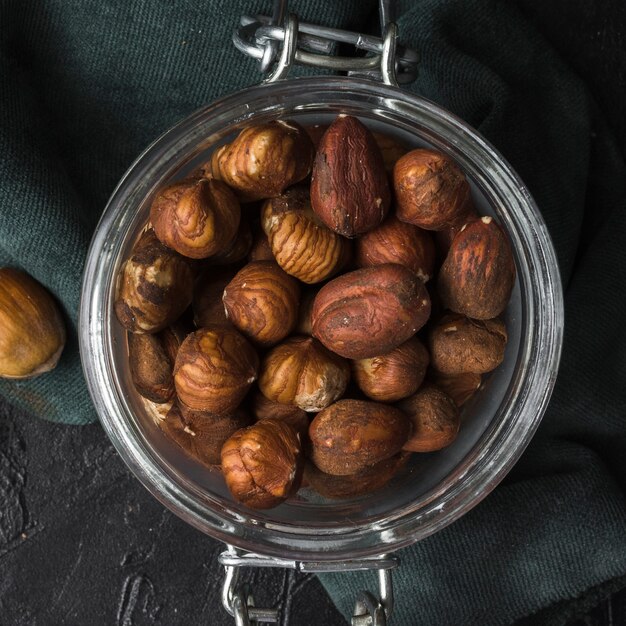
<point>434,489</point>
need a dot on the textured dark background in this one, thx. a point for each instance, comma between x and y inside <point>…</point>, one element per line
<point>81,541</point>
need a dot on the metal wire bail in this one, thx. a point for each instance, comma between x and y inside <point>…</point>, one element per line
<point>281,41</point>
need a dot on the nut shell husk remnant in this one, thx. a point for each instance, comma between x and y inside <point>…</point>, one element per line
<point>215,367</point>
<point>459,344</point>
<point>351,435</point>
<point>32,331</point>
<point>353,485</point>
<point>264,160</point>
<point>478,275</point>
<point>398,242</point>
<point>349,187</point>
<point>435,420</point>
<point>261,463</point>
<point>262,302</point>
<point>201,435</point>
<point>302,245</point>
<point>431,191</point>
<point>395,375</point>
<point>156,286</point>
<point>303,372</point>
<point>196,217</point>
<point>370,311</point>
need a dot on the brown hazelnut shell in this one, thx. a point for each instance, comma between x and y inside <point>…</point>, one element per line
<point>262,302</point>
<point>460,387</point>
<point>301,371</point>
<point>32,331</point>
<point>261,463</point>
<point>208,307</point>
<point>459,344</point>
<point>215,367</point>
<point>430,189</point>
<point>398,242</point>
<point>349,187</point>
<point>156,286</point>
<point>370,311</point>
<point>394,375</point>
<point>151,367</point>
<point>351,435</point>
<point>198,218</point>
<point>478,275</point>
<point>434,417</point>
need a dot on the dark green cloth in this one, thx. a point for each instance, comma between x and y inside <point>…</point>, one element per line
<point>84,86</point>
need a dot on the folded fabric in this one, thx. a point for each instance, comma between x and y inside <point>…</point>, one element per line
<point>84,86</point>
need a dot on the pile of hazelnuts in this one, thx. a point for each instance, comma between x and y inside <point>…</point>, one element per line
<point>313,306</point>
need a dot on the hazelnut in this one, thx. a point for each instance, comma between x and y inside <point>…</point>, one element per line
<point>349,188</point>
<point>303,372</point>
<point>364,482</point>
<point>201,435</point>
<point>261,463</point>
<point>32,331</point>
<point>264,409</point>
<point>435,419</point>
<point>459,344</point>
<point>208,308</point>
<point>151,360</point>
<point>198,217</point>
<point>264,160</point>
<point>301,244</point>
<point>156,285</point>
<point>398,242</point>
<point>395,375</point>
<point>370,311</point>
<point>460,387</point>
<point>431,191</point>
<point>478,275</point>
<point>445,237</point>
<point>262,302</point>
<point>351,435</point>
<point>214,369</point>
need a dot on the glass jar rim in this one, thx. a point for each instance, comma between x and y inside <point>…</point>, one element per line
<point>479,472</point>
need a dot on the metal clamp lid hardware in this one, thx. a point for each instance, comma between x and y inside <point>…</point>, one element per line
<point>280,41</point>
<point>239,601</point>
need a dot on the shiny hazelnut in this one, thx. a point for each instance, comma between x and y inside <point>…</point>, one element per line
<point>349,187</point>
<point>262,302</point>
<point>156,285</point>
<point>301,371</point>
<point>198,218</point>
<point>395,375</point>
<point>208,307</point>
<point>478,275</point>
<point>459,344</point>
<point>214,369</point>
<point>370,311</point>
<point>261,463</point>
<point>200,434</point>
<point>301,244</point>
<point>364,482</point>
<point>431,191</point>
<point>351,435</point>
<point>32,331</point>
<point>264,409</point>
<point>435,420</point>
<point>264,160</point>
<point>398,242</point>
<point>460,387</point>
